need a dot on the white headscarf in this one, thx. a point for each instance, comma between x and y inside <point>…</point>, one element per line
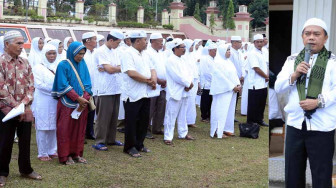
<point>56,42</point>
<point>52,66</point>
<point>65,42</point>
<point>221,51</point>
<point>188,43</point>
<point>2,45</point>
<point>99,38</point>
<point>35,54</point>
<point>47,39</point>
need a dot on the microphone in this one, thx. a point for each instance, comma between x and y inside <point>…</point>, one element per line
<point>306,57</point>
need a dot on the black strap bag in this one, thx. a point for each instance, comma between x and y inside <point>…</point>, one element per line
<point>249,130</point>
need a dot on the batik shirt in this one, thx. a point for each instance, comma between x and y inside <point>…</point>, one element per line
<point>16,82</point>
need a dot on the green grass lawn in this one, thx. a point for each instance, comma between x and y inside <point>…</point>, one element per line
<point>205,162</point>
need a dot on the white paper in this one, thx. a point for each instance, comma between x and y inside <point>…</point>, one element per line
<point>75,114</point>
<point>14,112</point>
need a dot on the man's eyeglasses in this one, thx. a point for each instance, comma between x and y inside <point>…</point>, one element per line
<point>181,47</point>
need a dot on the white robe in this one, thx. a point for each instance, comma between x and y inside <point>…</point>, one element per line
<point>224,79</point>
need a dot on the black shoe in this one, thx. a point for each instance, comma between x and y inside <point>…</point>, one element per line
<point>90,137</point>
<point>122,130</point>
<point>263,124</point>
<point>149,136</point>
<point>236,120</point>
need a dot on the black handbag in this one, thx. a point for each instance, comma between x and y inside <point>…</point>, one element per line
<point>249,130</point>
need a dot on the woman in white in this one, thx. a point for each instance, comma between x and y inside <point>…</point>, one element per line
<point>66,43</point>
<point>44,105</point>
<point>224,87</point>
<point>2,45</point>
<point>35,54</point>
<point>59,49</point>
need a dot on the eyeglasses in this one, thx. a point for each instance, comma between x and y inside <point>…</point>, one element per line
<point>181,47</point>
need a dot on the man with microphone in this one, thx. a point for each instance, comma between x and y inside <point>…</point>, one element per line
<point>311,85</point>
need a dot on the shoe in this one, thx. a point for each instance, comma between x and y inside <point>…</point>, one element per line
<point>263,124</point>
<point>149,136</point>
<point>236,120</point>
<point>90,137</point>
<point>205,120</point>
<point>121,130</point>
<point>192,126</point>
<point>33,175</point>
<point>2,181</point>
<point>160,133</point>
<point>228,134</point>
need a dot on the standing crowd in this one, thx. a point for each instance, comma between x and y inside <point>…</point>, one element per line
<point>77,90</point>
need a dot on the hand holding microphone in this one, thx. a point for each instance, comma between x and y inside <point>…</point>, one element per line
<point>303,67</point>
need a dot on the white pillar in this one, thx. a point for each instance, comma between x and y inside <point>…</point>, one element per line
<point>79,9</point>
<point>176,12</point>
<point>113,13</point>
<point>1,9</point>
<point>212,9</point>
<point>42,9</point>
<point>165,17</point>
<point>323,9</point>
<point>140,15</point>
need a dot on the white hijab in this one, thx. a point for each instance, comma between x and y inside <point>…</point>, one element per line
<point>35,54</point>
<point>2,45</point>
<point>99,38</point>
<point>56,43</point>
<point>51,66</point>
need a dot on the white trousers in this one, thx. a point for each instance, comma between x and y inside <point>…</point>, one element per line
<point>175,110</point>
<point>121,114</point>
<point>191,110</point>
<point>244,98</point>
<point>46,142</point>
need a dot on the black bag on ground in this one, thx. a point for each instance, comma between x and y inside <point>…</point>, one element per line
<point>249,130</point>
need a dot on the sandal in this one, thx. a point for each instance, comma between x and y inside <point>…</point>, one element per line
<point>2,181</point>
<point>33,175</point>
<point>134,153</point>
<point>168,142</point>
<point>117,143</point>
<point>100,147</point>
<point>188,137</point>
<point>53,156</point>
<point>80,160</point>
<point>145,150</point>
<point>44,158</point>
<point>70,161</point>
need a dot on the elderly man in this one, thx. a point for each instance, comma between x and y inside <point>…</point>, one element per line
<point>257,87</point>
<point>89,40</point>
<point>109,90</point>
<point>179,83</point>
<point>311,108</point>
<point>236,56</point>
<point>16,87</point>
<point>139,79</point>
<point>158,104</point>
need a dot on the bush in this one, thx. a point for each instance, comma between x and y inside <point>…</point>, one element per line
<point>37,18</point>
<point>133,24</point>
<point>171,27</point>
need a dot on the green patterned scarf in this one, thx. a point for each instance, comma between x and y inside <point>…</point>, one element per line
<point>316,76</point>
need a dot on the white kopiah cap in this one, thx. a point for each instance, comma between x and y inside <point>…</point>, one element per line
<point>235,38</point>
<point>117,33</point>
<point>258,37</point>
<point>138,34</point>
<point>212,46</point>
<point>176,42</point>
<point>12,34</point>
<point>88,35</point>
<point>155,36</point>
<point>317,22</point>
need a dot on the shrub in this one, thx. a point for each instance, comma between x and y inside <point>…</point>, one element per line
<point>169,26</point>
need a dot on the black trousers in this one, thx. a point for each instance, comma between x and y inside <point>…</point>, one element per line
<point>7,133</point>
<point>136,123</point>
<point>206,101</point>
<point>256,105</point>
<point>318,147</point>
<point>89,126</point>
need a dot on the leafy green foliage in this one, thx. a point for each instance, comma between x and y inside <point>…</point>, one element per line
<point>169,26</point>
<point>259,11</point>
<point>212,23</point>
<point>197,15</point>
<point>228,21</point>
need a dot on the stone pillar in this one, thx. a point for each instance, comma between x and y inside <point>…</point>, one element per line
<point>176,13</point>
<point>302,11</point>
<point>242,23</point>
<point>140,14</point>
<point>42,9</point>
<point>79,9</point>
<point>212,9</point>
<point>113,13</point>
<point>165,17</point>
<point>1,9</point>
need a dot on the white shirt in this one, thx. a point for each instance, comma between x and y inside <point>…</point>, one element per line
<point>324,118</point>
<point>205,70</point>
<point>236,58</point>
<point>256,59</point>
<point>158,60</point>
<point>178,77</point>
<point>90,63</point>
<point>108,84</point>
<point>265,54</point>
<point>134,60</point>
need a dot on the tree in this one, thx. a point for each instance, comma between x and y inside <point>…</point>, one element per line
<point>212,22</point>
<point>259,11</point>
<point>197,15</point>
<point>228,22</point>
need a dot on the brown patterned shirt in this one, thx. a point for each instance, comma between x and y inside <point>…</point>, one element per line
<point>16,83</point>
